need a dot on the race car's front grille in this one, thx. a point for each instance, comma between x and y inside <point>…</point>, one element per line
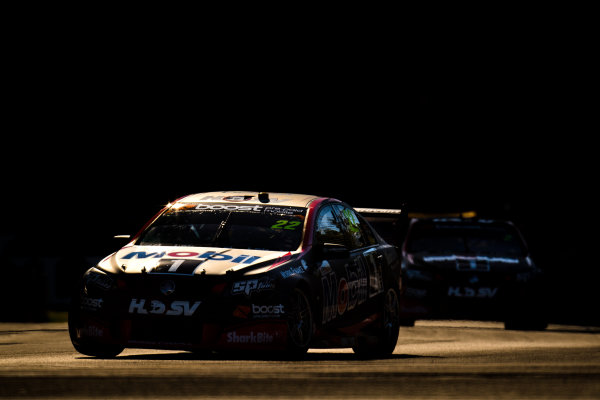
<point>165,285</point>
<point>170,333</point>
<point>171,311</point>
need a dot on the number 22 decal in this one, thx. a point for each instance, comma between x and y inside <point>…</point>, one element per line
<point>285,224</point>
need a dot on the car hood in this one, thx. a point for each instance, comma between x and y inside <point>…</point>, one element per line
<point>470,262</point>
<point>187,260</point>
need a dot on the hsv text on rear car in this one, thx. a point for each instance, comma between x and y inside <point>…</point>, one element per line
<point>243,271</point>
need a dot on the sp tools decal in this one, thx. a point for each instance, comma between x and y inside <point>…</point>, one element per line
<point>252,285</point>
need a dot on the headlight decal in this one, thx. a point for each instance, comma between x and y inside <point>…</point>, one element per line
<point>98,279</point>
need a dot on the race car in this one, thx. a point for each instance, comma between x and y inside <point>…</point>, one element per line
<point>221,271</point>
<point>470,268</point>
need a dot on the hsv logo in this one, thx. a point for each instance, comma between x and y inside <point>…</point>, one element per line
<point>482,292</point>
<point>142,306</point>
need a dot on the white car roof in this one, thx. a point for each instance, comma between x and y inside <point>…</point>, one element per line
<point>280,199</point>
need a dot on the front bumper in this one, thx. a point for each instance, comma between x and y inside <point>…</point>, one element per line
<point>481,296</point>
<point>198,314</point>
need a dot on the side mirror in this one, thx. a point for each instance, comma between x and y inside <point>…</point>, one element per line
<point>332,251</point>
<point>122,238</point>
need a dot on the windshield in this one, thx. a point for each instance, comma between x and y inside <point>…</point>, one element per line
<point>443,238</point>
<point>231,226</point>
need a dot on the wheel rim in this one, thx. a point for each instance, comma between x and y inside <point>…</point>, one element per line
<point>300,319</point>
<point>391,311</point>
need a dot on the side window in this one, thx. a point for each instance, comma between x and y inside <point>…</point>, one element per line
<point>360,233</point>
<point>368,233</point>
<point>327,228</point>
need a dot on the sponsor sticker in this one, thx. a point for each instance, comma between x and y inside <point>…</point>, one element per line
<point>250,286</point>
<point>238,198</point>
<point>267,311</point>
<point>343,294</point>
<point>172,266</point>
<point>250,337</point>
<point>469,292</point>
<point>92,330</point>
<point>157,307</point>
<point>255,336</point>
<point>90,304</point>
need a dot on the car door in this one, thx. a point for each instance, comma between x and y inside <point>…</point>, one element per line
<point>365,249</point>
<point>331,265</point>
<point>351,277</point>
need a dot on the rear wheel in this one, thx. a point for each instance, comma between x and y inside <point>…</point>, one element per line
<point>300,323</point>
<point>526,313</point>
<point>386,335</point>
<point>525,324</point>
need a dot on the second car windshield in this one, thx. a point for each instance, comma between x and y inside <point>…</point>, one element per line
<point>471,239</point>
<point>244,227</point>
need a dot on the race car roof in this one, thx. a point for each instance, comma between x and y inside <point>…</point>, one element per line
<point>282,199</point>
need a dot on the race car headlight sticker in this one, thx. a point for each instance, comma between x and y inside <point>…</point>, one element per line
<point>95,278</point>
<point>523,277</point>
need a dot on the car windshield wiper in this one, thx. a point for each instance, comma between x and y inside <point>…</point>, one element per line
<point>220,229</point>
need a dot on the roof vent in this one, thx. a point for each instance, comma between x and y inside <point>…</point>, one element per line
<point>263,197</point>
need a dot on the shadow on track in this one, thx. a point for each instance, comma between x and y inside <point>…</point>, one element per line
<point>241,356</point>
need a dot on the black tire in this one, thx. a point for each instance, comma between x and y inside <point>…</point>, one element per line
<point>523,324</point>
<point>89,346</point>
<point>526,315</point>
<point>300,323</point>
<point>386,335</point>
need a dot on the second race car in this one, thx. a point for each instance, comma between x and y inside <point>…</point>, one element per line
<point>470,267</point>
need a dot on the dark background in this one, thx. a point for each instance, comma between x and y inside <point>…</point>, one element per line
<point>105,125</point>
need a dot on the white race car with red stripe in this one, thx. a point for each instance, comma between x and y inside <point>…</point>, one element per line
<point>243,271</point>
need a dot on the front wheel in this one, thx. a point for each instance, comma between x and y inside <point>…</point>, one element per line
<point>386,335</point>
<point>86,345</point>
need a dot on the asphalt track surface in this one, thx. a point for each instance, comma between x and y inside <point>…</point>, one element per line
<point>433,360</point>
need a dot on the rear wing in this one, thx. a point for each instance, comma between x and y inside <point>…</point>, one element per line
<point>390,223</point>
<point>394,211</point>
